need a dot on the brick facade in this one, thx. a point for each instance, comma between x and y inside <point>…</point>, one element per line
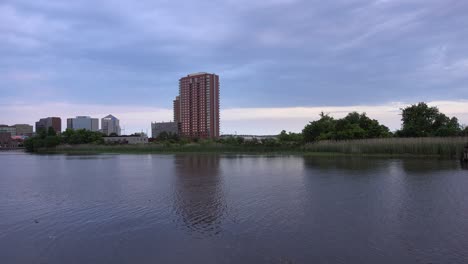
<point>199,105</point>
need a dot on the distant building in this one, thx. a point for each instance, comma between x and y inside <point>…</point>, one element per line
<point>8,129</point>
<point>199,105</point>
<point>132,139</point>
<point>169,127</point>
<point>83,122</point>
<point>252,137</point>
<point>176,106</point>
<point>18,130</point>
<point>45,123</point>
<point>24,130</point>
<point>5,140</point>
<point>110,124</point>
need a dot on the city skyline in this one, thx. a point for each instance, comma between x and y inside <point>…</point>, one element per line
<point>80,59</point>
<point>266,121</point>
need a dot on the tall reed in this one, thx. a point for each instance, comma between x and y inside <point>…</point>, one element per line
<point>432,146</point>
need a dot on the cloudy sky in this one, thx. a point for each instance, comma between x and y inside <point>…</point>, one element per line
<point>280,62</point>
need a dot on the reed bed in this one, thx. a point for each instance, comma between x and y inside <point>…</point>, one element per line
<point>437,147</point>
<point>433,146</point>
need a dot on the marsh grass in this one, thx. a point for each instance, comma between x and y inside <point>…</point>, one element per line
<point>432,146</point>
<point>437,147</point>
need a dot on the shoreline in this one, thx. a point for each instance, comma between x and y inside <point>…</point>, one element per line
<point>117,151</point>
<point>447,148</point>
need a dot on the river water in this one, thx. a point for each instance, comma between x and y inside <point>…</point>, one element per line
<point>231,209</point>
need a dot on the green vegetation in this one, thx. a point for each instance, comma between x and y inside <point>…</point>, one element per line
<point>81,136</point>
<point>46,141</point>
<point>42,140</point>
<point>295,138</point>
<point>448,147</point>
<point>423,121</point>
<point>464,132</point>
<point>451,147</point>
<point>165,136</point>
<point>353,126</point>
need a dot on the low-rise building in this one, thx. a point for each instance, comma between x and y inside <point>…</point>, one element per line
<point>5,140</point>
<point>83,122</point>
<point>24,130</point>
<point>159,127</point>
<point>132,139</point>
<point>8,129</point>
<point>18,130</point>
<point>45,123</point>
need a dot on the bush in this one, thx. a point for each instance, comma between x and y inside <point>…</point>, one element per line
<point>353,126</point>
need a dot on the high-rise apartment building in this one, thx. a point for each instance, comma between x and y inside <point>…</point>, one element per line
<point>110,125</point>
<point>199,105</point>
<point>83,122</point>
<point>45,123</point>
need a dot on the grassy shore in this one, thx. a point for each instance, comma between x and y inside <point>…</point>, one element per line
<point>436,147</point>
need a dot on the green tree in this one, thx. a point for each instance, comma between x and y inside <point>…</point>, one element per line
<point>82,136</point>
<point>464,132</point>
<point>290,137</point>
<point>163,136</point>
<point>42,140</point>
<point>421,120</point>
<point>366,127</point>
<point>51,141</point>
<point>320,129</point>
<point>51,132</point>
<point>353,126</point>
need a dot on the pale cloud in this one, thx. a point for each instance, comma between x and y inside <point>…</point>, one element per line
<point>278,54</point>
<point>31,25</point>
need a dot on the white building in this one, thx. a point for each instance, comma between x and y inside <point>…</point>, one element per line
<point>110,124</point>
<point>83,122</point>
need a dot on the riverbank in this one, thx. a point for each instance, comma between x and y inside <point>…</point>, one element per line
<point>433,147</point>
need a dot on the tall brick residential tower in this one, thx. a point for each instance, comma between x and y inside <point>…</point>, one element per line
<point>199,105</point>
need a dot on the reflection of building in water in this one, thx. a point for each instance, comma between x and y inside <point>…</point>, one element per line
<point>198,196</point>
<point>464,164</point>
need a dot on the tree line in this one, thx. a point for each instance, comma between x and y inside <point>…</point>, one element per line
<point>419,120</point>
<point>50,139</point>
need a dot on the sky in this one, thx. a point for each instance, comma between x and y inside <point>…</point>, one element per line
<point>280,62</point>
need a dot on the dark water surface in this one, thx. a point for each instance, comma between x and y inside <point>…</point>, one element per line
<point>231,209</point>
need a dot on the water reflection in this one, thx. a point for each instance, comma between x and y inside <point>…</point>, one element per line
<point>348,163</point>
<point>464,165</point>
<point>198,196</point>
<point>428,166</point>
